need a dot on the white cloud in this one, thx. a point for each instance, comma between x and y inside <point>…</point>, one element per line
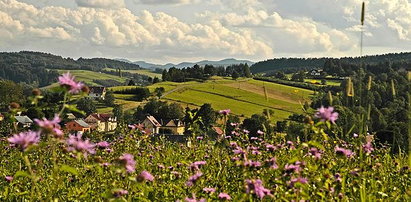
<point>148,34</point>
<point>167,1</point>
<point>101,3</point>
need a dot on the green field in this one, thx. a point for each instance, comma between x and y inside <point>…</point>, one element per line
<point>142,71</point>
<point>244,97</point>
<point>88,76</point>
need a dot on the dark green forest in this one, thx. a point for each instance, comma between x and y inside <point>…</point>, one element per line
<point>38,68</point>
<point>294,64</point>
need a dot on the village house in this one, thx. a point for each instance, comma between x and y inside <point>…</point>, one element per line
<point>152,124</point>
<point>24,121</point>
<point>316,72</point>
<point>102,122</point>
<point>97,92</point>
<point>78,126</point>
<point>174,126</point>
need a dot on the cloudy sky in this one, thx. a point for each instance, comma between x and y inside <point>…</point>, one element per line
<point>164,31</point>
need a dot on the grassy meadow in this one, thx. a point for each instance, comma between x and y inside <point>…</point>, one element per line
<point>88,76</point>
<point>243,97</point>
<point>146,72</point>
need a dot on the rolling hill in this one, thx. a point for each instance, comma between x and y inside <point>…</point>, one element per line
<point>244,97</point>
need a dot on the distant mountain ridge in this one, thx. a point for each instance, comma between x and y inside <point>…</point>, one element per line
<point>224,62</point>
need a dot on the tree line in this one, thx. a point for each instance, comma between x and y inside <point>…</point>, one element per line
<point>203,73</point>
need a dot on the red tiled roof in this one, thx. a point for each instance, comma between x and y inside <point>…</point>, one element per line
<point>102,117</point>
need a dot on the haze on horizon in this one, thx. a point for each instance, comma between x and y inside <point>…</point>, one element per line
<point>163,31</point>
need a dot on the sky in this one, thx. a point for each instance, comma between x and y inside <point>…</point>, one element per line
<point>163,31</point>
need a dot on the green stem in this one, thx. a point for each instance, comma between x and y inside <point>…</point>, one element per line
<point>32,176</point>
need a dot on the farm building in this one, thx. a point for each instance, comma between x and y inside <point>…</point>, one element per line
<point>24,121</point>
<point>78,126</point>
<point>174,126</point>
<point>152,124</point>
<point>102,122</point>
<point>97,92</point>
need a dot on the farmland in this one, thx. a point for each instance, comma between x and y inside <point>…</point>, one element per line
<point>88,76</point>
<point>244,97</point>
<point>141,71</point>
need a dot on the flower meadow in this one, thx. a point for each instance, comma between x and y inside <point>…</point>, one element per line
<point>47,164</point>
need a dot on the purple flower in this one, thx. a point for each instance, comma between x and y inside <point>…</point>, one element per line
<point>254,164</point>
<point>344,152</point>
<point>273,163</point>
<point>315,153</point>
<point>270,147</point>
<point>368,148</point>
<point>50,126</point>
<point>256,187</point>
<point>9,178</point>
<point>225,112</point>
<point>67,80</point>
<point>254,138</point>
<point>75,143</point>
<point>119,193</point>
<point>103,144</point>
<point>355,135</point>
<point>194,199</point>
<point>25,139</point>
<point>192,179</point>
<point>199,137</point>
<point>290,168</point>
<point>145,176</point>
<point>209,190</point>
<point>224,196</point>
<point>298,180</point>
<point>129,163</point>
<point>197,164</point>
<point>260,132</point>
<point>246,131</point>
<point>326,114</point>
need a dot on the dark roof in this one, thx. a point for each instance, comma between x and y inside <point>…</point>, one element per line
<point>102,117</point>
<point>97,89</point>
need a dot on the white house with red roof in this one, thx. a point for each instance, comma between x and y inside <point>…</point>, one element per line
<point>101,122</point>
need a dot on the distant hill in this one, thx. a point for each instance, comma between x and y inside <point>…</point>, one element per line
<point>225,62</point>
<point>295,64</point>
<point>38,68</point>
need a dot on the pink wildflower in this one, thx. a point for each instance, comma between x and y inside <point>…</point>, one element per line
<point>209,190</point>
<point>9,178</point>
<point>76,143</point>
<point>256,187</point>
<point>50,126</point>
<point>129,163</point>
<point>67,80</point>
<point>342,151</point>
<point>197,164</point>
<point>224,196</point>
<point>119,193</point>
<point>192,179</point>
<point>326,114</point>
<point>25,139</point>
<point>145,176</point>
<point>103,144</point>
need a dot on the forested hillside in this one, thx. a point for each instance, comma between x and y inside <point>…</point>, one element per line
<point>295,64</point>
<point>38,68</point>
